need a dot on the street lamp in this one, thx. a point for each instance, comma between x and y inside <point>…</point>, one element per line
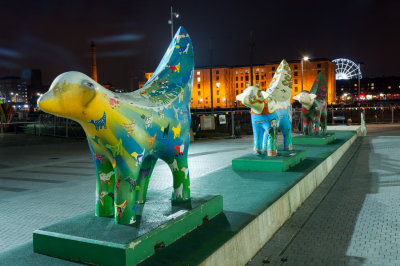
<point>171,21</point>
<point>305,58</point>
<point>226,102</point>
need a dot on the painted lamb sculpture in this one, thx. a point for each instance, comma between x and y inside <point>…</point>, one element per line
<point>271,110</point>
<point>128,132</point>
<point>314,107</point>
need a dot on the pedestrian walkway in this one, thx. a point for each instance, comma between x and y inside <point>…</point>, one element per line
<point>353,218</point>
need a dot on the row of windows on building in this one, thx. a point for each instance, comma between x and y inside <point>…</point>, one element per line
<point>246,78</point>
<point>370,86</point>
<point>200,101</point>
<point>257,71</point>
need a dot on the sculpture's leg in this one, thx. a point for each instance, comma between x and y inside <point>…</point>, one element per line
<point>272,138</point>
<point>104,188</point>
<point>144,178</point>
<point>316,125</point>
<point>181,179</point>
<point>323,123</point>
<point>258,133</point>
<point>305,126</point>
<point>104,181</point>
<point>286,128</point>
<point>125,193</point>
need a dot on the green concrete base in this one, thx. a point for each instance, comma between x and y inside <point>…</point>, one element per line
<point>314,140</point>
<point>280,163</point>
<point>97,240</point>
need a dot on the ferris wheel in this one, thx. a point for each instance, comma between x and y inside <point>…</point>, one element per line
<point>346,69</point>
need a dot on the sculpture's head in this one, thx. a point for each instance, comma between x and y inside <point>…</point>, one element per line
<point>69,95</point>
<point>305,98</point>
<point>254,98</point>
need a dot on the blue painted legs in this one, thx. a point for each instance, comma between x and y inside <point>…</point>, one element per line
<point>265,129</point>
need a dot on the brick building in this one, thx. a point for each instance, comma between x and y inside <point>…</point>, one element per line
<point>229,81</point>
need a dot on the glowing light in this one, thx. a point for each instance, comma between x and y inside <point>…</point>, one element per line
<point>306,58</point>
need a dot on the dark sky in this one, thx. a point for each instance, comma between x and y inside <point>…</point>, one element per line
<point>132,36</point>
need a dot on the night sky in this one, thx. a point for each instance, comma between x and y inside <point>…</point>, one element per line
<point>132,36</point>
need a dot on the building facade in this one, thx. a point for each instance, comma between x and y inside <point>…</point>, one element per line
<point>380,88</point>
<point>14,90</point>
<point>229,81</point>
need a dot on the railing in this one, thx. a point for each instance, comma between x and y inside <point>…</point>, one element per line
<point>228,123</point>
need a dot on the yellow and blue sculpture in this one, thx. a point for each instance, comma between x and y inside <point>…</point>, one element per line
<point>271,110</point>
<point>128,132</point>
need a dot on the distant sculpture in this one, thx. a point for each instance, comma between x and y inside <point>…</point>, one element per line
<point>128,132</point>
<point>314,107</point>
<point>271,110</point>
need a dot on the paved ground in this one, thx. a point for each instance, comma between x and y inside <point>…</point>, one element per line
<point>353,218</point>
<point>44,179</point>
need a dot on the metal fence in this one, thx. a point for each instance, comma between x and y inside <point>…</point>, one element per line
<point>228,123</point>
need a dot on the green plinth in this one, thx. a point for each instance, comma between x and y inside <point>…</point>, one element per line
<point>280,163</point>
<point>314,140</point>
<point>97,240</point>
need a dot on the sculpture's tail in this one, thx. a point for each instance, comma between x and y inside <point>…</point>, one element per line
<point>319,87</point>
<point>174,74</point>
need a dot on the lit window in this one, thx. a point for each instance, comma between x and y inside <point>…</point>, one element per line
<point>372,84</point>
<point>247,84</point>
<point>198,73</point>
<point>237,72</point>
<point>246,71</point>
<point>262,70</point>
<point>198,79</point>
<point>355,84</point>
<point>389,87</point>
<point>257,71</point>
<point>200,100</point>
<point>257,83</point>
<point>218,84</point>
<point>241,71</point>
<point>342,89</point>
